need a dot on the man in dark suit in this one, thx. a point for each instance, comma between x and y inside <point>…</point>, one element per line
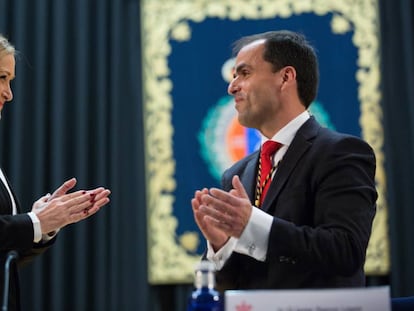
<point>311,229</point>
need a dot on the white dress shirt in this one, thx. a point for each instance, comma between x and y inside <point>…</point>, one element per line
<point>254,239</point>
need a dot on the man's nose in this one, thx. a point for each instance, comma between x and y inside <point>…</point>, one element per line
<point>233,87</point>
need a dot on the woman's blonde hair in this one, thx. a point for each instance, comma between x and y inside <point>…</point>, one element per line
<point>6,47</point>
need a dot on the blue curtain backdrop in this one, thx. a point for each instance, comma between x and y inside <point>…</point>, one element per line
<point>397,35</point>
<point>77,111</point>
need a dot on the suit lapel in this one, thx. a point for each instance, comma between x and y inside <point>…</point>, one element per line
<point>6,206</point>
<point>300,144</point>
<point>249,178</point>
<point>5,201</point>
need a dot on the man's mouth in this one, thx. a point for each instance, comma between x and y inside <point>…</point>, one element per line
<point>238,99</point>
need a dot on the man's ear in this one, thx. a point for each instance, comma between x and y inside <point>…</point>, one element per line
<point>289,73</point>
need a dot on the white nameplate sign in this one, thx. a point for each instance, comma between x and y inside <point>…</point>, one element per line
<point>352,299</point>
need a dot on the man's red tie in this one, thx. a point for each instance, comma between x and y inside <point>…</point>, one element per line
<point>266,169</point>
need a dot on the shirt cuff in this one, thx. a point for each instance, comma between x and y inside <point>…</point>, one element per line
<point>49,236</point>
<point>255,237</point>
<point>220,257</point>
<point>37,230</point>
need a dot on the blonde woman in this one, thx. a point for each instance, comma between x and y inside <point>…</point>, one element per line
<point>24,235</point>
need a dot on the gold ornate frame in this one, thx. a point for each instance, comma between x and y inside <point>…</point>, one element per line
<point>169,262</point>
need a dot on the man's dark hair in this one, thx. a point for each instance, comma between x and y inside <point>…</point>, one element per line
<point>286,48</point>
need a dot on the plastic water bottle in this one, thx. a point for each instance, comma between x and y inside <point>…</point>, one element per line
<point>204,296</point>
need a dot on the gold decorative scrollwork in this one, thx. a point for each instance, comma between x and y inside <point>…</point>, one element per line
<point>163,20</point>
